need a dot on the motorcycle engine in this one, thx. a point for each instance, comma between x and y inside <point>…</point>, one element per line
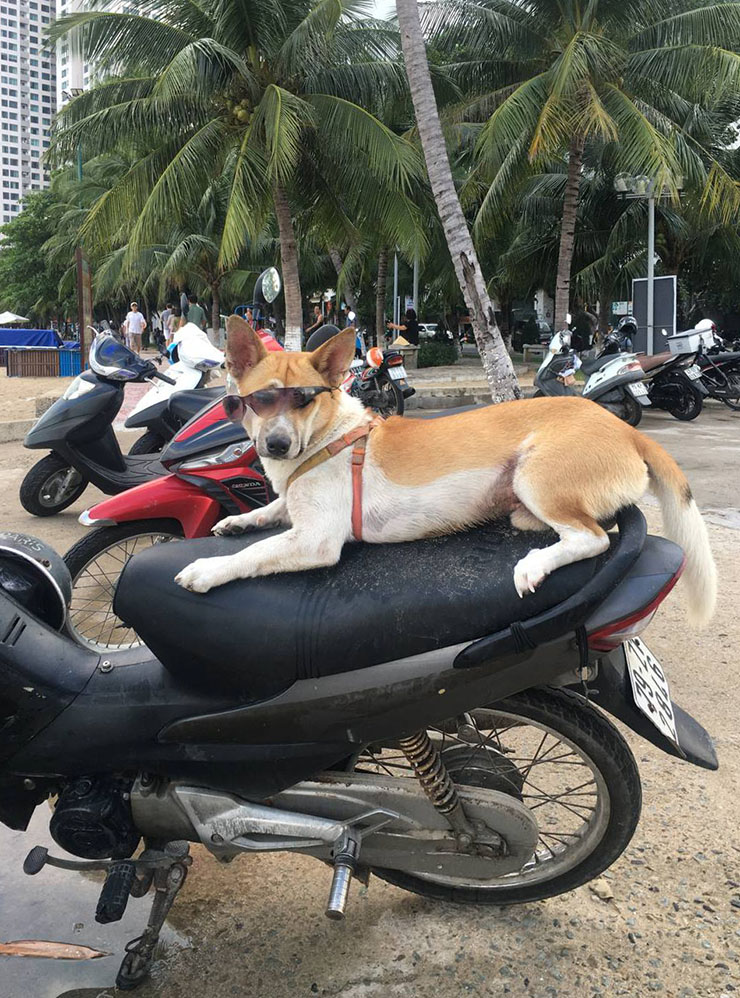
<point>93,819</point>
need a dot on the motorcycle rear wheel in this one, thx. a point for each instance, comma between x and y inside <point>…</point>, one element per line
<point>596,792</point>
<point>627,409</point>
<point>684,403</point>
<point>95,563</point>
<point>148,443</point>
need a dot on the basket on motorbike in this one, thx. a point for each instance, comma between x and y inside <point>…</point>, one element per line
<point>688,342</point>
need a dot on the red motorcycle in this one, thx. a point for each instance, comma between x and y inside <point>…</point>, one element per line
<point>214,471</point>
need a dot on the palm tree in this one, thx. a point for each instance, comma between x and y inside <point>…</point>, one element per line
<point>551,76</point>
<point>496,361</point>
<point>273,93</point>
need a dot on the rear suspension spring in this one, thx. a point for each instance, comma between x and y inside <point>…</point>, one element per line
<point>430,771</point>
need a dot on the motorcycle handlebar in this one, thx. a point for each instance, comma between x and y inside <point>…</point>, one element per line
<point>164,377</point>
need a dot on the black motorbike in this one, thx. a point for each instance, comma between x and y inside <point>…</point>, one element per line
<point>78,431</point>
<point>674,383</point>
<point>440,733</point>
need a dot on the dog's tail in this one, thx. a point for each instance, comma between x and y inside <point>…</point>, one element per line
<point>684,525</point>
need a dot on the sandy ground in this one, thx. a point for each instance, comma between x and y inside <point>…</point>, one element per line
<point>256,928</point>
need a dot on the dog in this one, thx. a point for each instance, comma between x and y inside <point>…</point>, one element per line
<point>530,460</point>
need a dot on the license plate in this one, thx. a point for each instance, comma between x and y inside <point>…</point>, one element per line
<point>638,388</point>
<point>650,688</point>
<point>693,372</point>
<point>397,373</point>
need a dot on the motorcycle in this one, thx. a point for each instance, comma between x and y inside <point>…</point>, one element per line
<point>613,378</point>
<point>457,742</point>
<point>720,368</point>
<point>78,430</point>
<point>674,383</point>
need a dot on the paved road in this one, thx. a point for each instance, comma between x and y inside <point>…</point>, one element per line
<point>256,929</point>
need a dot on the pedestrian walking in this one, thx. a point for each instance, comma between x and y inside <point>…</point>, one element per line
<point>196,314</point>
<point>317,320</point>
<point>135,324</point>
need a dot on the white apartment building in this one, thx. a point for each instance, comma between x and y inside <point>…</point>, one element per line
<point>28,99</point>
<point>73,72</point>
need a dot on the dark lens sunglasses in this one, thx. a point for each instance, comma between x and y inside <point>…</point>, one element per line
<point>269,402</point>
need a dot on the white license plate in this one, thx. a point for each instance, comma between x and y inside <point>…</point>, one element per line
<point>693,372</point>
<point>397,373</point>
<point>650,688</point>
<point>638,388</point>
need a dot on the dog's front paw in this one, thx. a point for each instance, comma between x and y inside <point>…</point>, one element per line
<point>529,572</point>
<point>231,525</point>
<point>205,574</point>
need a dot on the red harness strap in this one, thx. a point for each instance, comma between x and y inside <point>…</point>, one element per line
<point>358,437</point>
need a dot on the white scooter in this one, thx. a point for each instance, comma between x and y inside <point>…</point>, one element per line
<point>614,379</point>
<point>195,358</point>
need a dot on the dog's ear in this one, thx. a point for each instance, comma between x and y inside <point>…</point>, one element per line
<point>244,348</point>
<point>332,359</point>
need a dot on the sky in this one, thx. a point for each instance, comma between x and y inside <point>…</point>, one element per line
<point>383,7</point>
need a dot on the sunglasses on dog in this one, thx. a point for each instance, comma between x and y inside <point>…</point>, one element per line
<point>269,402</point>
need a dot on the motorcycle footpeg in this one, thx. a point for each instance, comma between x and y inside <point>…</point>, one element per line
<point>345,863</point>
<point>115,893</point>
<point>35,861</point>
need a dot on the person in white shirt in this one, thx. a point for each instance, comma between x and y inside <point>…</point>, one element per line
<point>135,326</point>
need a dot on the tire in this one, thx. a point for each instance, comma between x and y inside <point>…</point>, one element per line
<point>538,394</point>
<point>733,403</point>
<point>91,620</point>
<point>627,409</point>
<point>586,732</point>
<point>50,486</point>
<point>149,443</point>
<point>684,402</point>
<point>396,402</point>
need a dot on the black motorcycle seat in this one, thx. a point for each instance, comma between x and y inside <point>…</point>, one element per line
<point>728,357</point>
<point>186,404</point>
<point>382,602</point>
<point>596,363</point>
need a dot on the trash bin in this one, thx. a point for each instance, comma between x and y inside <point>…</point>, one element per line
<point>33,362</point>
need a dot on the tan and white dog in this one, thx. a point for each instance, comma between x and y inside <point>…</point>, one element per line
<point>563,463</point>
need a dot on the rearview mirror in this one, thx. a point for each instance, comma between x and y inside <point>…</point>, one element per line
<point>268,285</point>
<point>351,316</point>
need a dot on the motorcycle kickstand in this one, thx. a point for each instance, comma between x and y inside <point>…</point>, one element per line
<point>168,881</point>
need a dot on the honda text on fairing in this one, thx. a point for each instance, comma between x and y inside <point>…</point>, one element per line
<point>438,733</point>
<point>613,378</point>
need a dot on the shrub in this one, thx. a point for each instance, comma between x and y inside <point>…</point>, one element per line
<point>435,354</point>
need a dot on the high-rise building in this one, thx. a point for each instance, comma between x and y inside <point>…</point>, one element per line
<point>73,72</point>
<point>28,99</point>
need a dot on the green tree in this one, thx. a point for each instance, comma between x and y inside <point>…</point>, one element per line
<point>29,281</point>
<point>272,93</point>
<point>550,76</point>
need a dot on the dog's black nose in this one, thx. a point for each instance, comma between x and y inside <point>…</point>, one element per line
<point>278,444</point>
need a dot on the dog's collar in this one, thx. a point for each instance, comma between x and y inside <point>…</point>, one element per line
<point>358,437</point>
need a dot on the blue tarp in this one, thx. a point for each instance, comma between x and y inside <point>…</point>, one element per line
<point>28,338</point>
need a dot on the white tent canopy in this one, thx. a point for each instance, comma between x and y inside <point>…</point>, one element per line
<point>9,317</point>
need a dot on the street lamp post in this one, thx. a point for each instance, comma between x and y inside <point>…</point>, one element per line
<point>645,188</point>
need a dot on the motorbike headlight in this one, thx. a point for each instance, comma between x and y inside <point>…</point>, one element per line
<point>80,386</point>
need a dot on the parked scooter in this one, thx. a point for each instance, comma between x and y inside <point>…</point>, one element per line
<point>194,359</point>
<point>674,382</point>
<point>302,713</point>
<point>720,368</point>
<point>614,379</point>
<point>78,430</point>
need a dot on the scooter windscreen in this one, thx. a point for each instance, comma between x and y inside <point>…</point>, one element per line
<point>111,359</point>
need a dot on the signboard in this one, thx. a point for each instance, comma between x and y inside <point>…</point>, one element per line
<point>664,312</point>
<point>621,307</point>
<point>409,302</point>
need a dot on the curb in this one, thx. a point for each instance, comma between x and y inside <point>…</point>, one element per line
<point>14,429</point>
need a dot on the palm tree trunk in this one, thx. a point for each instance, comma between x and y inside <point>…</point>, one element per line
<point>380,295</point>
<point>496,361</point>
<point>349,295</point>
<point>215,313</point>
<point>567,232</point>
<point>291,278</point>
